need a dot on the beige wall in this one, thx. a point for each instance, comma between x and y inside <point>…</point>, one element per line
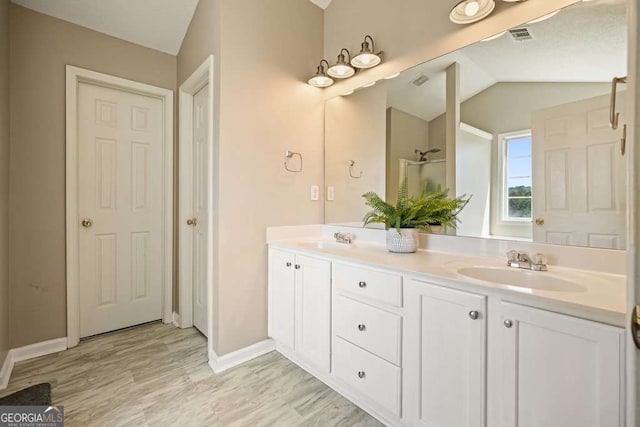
<point>411,32</point>
<point>355,129</point>
<point>265,52</point>
<point>41,46</point>
<point>405,133</point>
<point>4,179</point>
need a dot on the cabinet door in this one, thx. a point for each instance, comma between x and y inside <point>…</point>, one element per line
<point>282,297</point>
<point>558,370</point>
<point>445,356</point>
<point>313,311</point>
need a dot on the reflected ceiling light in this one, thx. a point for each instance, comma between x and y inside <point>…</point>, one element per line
<point>544,17</point>
<point>367,58</point>
<point>469,11</point>
<point>342,69</point>
<point>495,36</point>
<point>392,76</point>
<point>320,78</point>
<point>347,93</point>
<point>369,84</point>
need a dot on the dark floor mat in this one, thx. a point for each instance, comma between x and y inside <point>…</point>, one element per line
<point>36,395</point>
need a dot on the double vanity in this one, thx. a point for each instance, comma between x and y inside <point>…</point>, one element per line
<point>449,339</point>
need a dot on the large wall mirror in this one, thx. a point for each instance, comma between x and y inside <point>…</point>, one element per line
<point>519,122</point>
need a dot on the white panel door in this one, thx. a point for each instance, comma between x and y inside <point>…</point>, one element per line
<point>579,175</point>
<point>200,200</point>
<point>313,311</point>
<point>281,297</point>
<point>120,137</point>
<point>445,357</point>
<point>558,370</point>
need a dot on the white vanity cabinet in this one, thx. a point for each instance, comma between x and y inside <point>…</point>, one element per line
<point>558,370</point>
<point>367,335</point>
<point>300,306</point>
<point>445,364</point>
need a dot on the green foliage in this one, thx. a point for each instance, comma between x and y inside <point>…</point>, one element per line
<point>431,208</point>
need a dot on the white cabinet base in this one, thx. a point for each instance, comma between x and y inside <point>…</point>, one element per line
<point>370,407</point>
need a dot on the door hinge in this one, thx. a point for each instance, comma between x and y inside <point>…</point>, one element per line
<point>635,325</point>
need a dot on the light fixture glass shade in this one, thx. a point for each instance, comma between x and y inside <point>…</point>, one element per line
<point>341,69</point>
<point>470,11</point>
<point>367,58</point>
<point>320,78</point>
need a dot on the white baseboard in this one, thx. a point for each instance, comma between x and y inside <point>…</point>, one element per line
<point>29,352</point>
<point>227,361</point>
<point>176,320</point>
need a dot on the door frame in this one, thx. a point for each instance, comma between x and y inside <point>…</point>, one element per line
<point>75,76</point>
<point>202,76</point>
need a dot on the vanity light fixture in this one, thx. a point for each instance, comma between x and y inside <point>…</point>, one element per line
<point>544,17</point>
<point>470,11</point>
<point>392,76</point>
<point>367,58</point>
<point>342,69</point>
<point>368,84</point>
<point>495,36</point>
<point>321,79</point>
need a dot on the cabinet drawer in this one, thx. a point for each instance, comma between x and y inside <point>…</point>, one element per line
<point>371,284</point>
<point>371,376</point>
<point>368,327</point>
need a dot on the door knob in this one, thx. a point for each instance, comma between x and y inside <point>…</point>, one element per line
<point>87,222</point>
<point>539,221</point>
<point>192,221</point>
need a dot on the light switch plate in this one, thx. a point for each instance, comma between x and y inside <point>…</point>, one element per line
<point>315,193</point>
<point>330,193</point>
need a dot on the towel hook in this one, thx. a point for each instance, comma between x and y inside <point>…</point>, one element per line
<point>288,155</point>
<point>351,163</point>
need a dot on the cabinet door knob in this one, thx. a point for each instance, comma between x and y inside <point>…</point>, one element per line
<point>362,284</point>
<point>297,267</point>
<point>362,327</point>
<point>288,264</point>
<point>473,314</point>
<point>508,323</point>
<point>361,374</point>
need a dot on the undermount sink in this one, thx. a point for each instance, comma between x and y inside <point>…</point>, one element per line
<point>520,278</point>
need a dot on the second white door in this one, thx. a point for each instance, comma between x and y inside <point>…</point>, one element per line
<point>120,189</point>
<point>200,199</point>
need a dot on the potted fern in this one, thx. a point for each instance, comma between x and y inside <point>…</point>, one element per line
<point>411,214</point>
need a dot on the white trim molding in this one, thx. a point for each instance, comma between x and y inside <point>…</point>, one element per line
<point>222,363</point>
<point>75,76</point>
<point>27,352</point>
<point>200,78</point>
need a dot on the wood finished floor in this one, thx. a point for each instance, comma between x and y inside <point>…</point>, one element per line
<point>157,375</point>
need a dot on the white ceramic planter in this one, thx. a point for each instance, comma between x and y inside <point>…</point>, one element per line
<point>405,242</point>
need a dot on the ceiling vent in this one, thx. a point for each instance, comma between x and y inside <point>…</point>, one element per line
<point>521,34</point>
<point>422,79</point>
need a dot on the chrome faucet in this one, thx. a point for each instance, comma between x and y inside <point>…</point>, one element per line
<point>344,237</point>
<point>517,259</point>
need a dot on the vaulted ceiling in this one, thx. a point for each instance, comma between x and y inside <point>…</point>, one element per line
<point>157,24</point>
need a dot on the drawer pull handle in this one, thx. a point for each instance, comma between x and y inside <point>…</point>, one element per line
<point>362,284</point>
<point>361,374</point>
<point>362,327</point>
<point>474,315</point>
<point>288,264</point>
<point>297,266</point>
<point>508,323</point>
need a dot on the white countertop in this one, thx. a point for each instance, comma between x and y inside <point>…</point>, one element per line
<point>599,296</point>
